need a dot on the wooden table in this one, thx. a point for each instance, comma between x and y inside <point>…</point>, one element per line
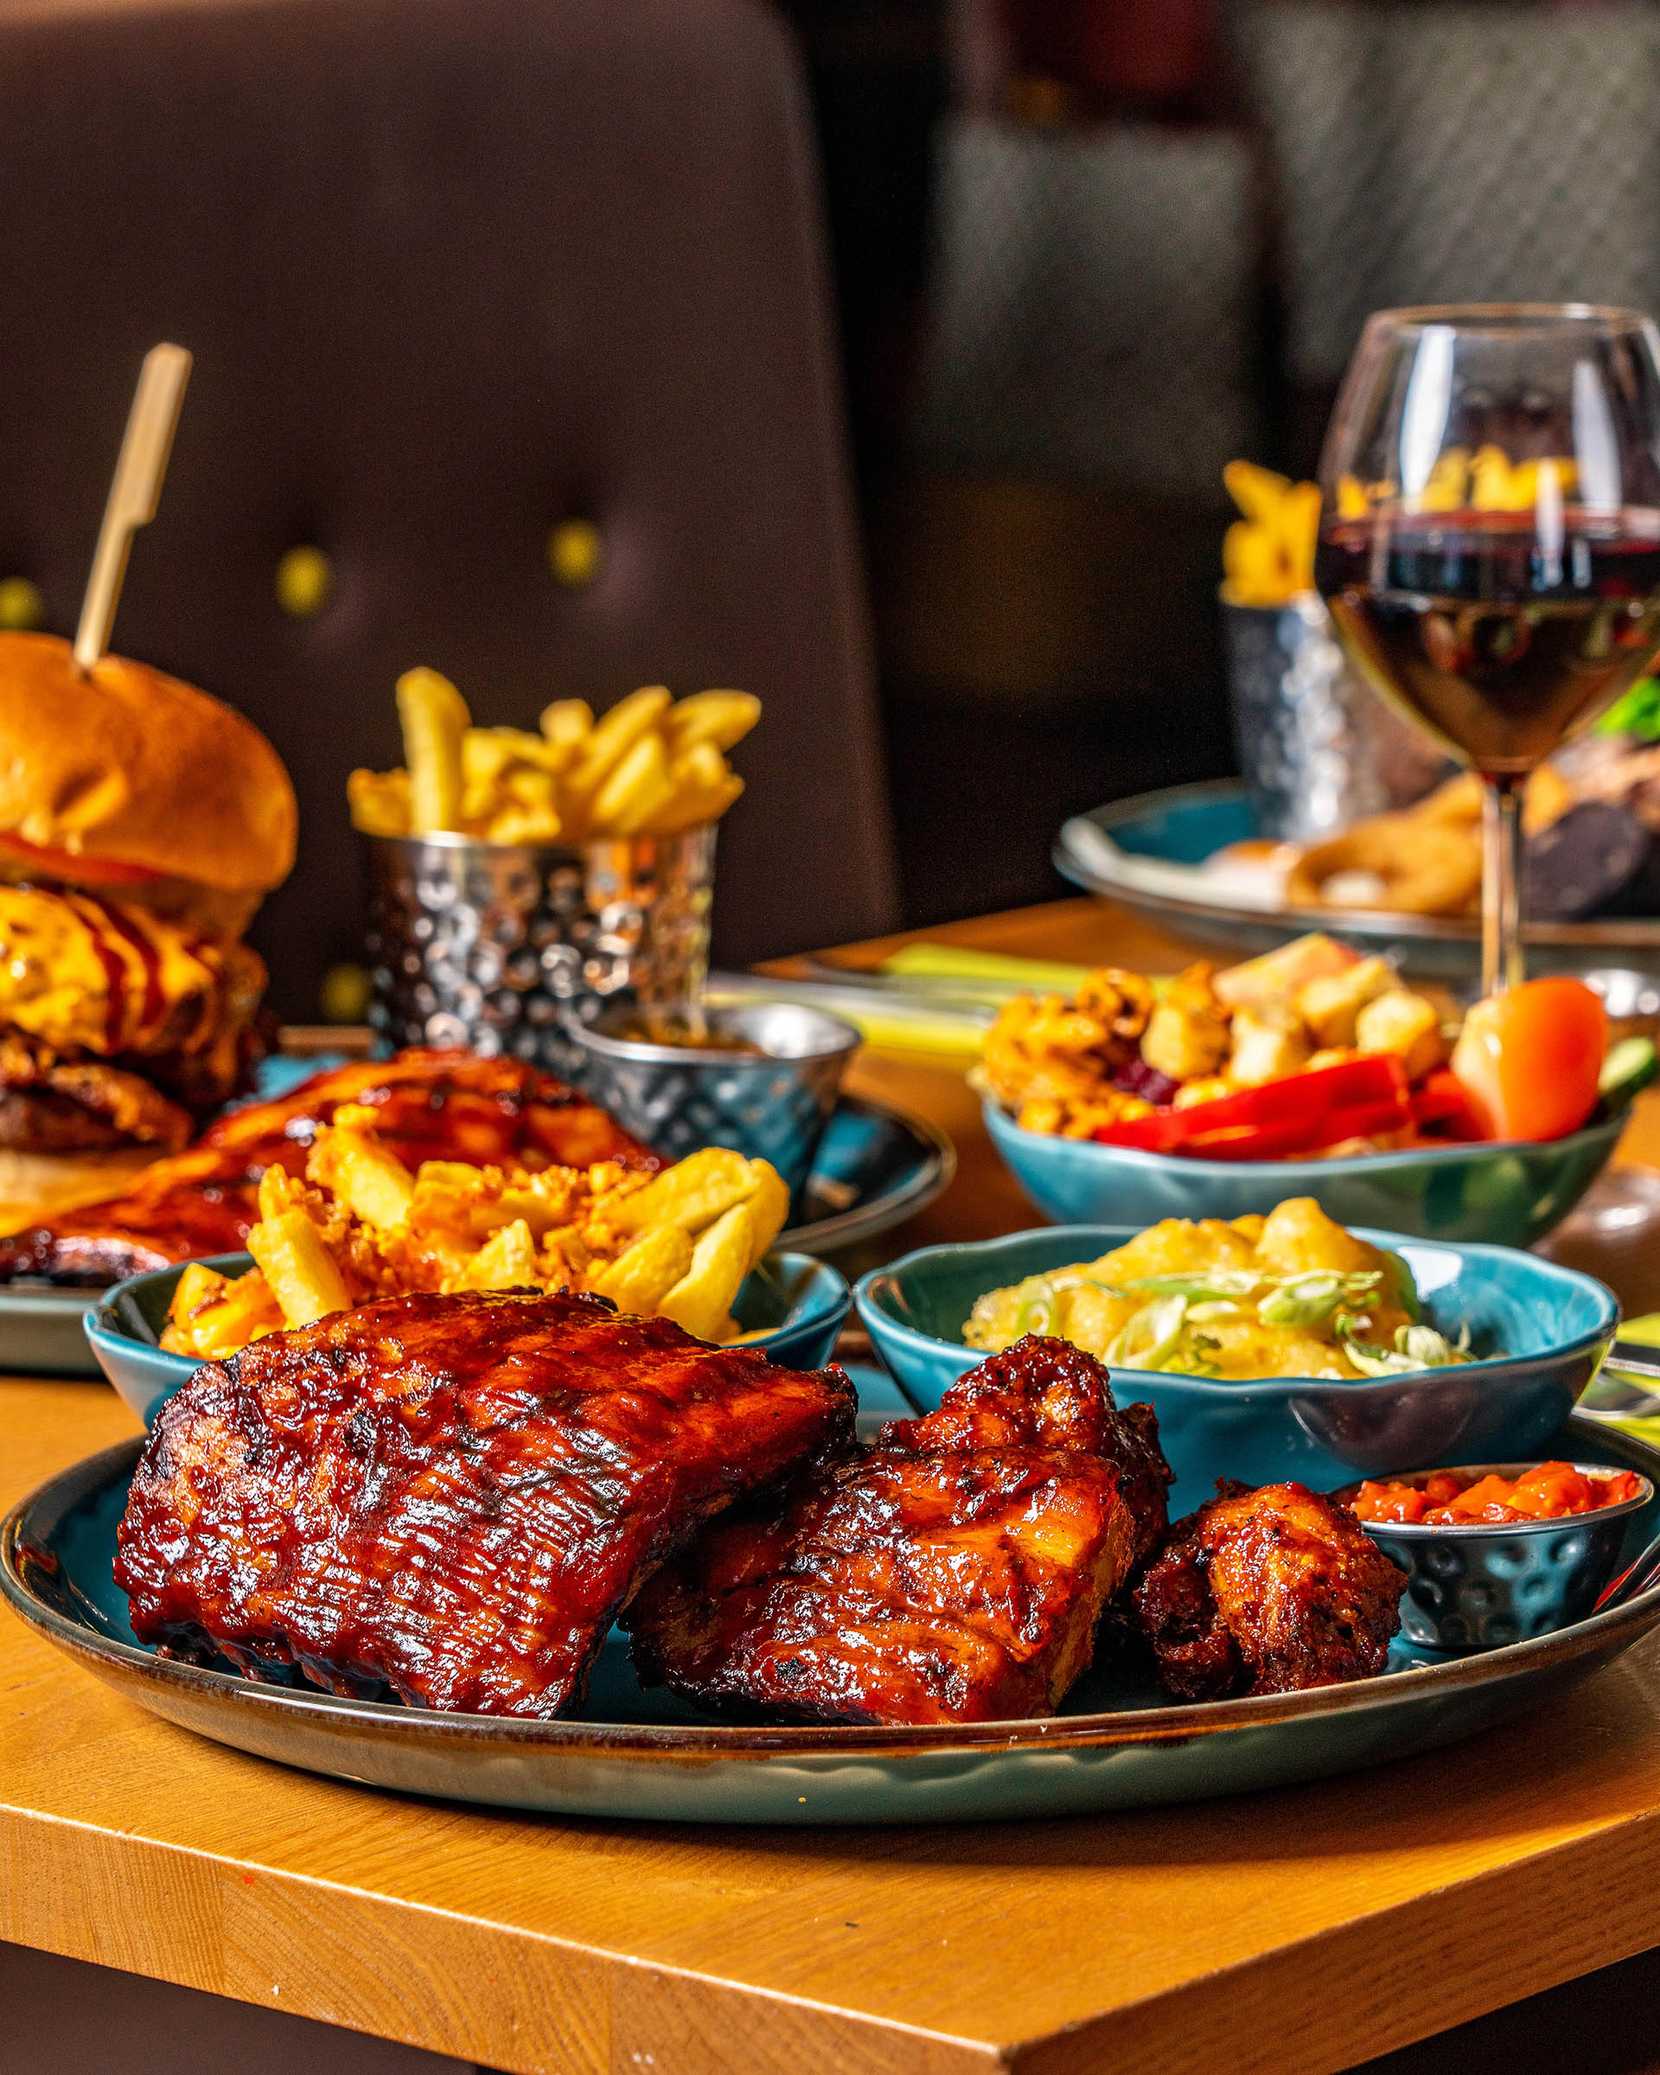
<point>1300,1930</point>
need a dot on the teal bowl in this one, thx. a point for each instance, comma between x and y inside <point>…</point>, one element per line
<point>794,1305</point>
<point>1552,1324</point>
<point>1497,1193</point>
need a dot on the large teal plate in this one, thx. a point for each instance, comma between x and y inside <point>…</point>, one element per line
<point>1144,853</point>
<point>640,1754</point>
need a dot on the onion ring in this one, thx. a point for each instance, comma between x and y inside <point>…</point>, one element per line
<point>1422,867</point>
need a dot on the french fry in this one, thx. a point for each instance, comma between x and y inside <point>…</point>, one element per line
<point>613,736</point>
<point>769,1207</point>
<point>1257,491</point>
<point>506,1261</point>
<point>647,767</point>
<point>367,1177</point>
<point>677,1244</point>
<point>638,786</point>
<point>435,721</point>
<point>723,718</point>
<point>527,787</point>
<point>703,787</point>
<point>1268,554</point>
<point>567,724</point>
<point>379,802</point>
<point>289,1251</point>
<point>1446,487</point>
<point>198,1284</point>
<point>690,810</point>
<point>1298,528</point>
<point>641,1277</point>
<point>691,1194</point>
<point>523,825</point>
<point>242,1310</point>
<point>1353,502</point>
<point>703,1296</point>
<point>487,752</point>
<point>1249,565</point>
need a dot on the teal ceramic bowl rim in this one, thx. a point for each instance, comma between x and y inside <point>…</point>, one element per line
<point>102,1329</point>
<point>1459,1151</point>
<point>1435,1530</point>
<point>879,1321</point>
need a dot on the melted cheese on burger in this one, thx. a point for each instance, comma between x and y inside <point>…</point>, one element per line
<point>81,973</point>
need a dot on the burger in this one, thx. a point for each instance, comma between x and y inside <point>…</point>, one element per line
<point>141,822</point>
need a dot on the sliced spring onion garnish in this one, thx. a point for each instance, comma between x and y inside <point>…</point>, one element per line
<point>1036,1315</point>
<point>1149,1334</point>
<point>1415,1348</point>
<point>1309,1300</point>
<point>1208,1285</point>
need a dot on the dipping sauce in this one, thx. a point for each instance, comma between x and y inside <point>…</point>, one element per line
<point>1447,1498</point>
<point>656,1030</point>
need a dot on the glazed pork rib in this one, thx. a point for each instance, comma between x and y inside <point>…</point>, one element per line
<point>429,1105</point>
<point>953,1573</point>
<point>451,1497</point>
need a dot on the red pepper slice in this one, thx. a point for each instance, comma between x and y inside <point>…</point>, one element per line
<point>1443,1105</point>
<point>1357,1098</point>
<point>1279,1141</point>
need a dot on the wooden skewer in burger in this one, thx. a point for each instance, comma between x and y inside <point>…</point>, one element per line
<point>141,822</point>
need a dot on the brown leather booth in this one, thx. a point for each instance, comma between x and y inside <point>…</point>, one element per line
<point>456,273</point>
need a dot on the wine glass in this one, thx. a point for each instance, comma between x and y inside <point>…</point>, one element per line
<point>1490,541</point>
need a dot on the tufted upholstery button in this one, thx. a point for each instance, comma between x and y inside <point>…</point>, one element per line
<point>305,577</point>
<point>574,552</point>
<point>22,608</point>
<point>344,997</point>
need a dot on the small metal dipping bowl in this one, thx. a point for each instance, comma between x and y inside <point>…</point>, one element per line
<point>1483,1583</point>
<point>771,1103</point>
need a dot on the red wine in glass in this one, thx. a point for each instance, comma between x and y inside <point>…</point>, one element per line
<point>1491,546</point>
<point>1499,642</point>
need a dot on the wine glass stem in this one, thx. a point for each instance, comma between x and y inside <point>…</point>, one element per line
<point>1501,884</point>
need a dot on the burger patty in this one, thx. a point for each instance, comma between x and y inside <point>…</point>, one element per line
<point>52,1105</point>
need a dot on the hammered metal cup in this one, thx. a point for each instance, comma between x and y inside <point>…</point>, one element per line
<point>1482,1584</point>
<point>1318,748</point>
<point>504,947</point>
<point>769,1100</point>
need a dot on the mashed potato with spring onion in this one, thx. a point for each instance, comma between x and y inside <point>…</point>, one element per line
<point>1292,1294</point>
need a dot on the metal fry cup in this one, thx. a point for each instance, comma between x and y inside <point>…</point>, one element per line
<point>505,947</point>
<point>763,1080</point>
<point>1318,748</point>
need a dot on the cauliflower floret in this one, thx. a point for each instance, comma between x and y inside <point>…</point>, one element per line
<point>1330,1003</point>
<point>1406,1024</point>
<point>1269,1042</point>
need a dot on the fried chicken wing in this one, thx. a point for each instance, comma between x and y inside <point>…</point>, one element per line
<point>429,1105</point>
<point>451,1497</point>
<point>1268,1591</point>
<point>952,1573</point>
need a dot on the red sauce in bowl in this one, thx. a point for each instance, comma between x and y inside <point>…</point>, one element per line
<point>1448,1498</point>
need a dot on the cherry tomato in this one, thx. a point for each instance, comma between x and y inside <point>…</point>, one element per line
<point>1530,1059</point>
